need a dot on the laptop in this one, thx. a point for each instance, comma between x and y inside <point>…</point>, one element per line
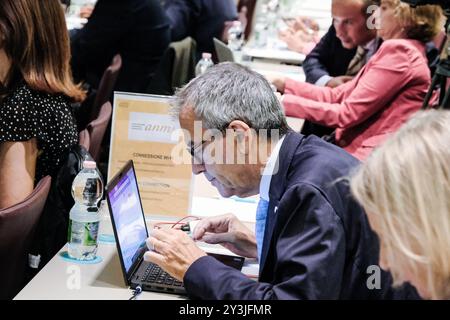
<point>130,231</point>
<point>224,54</point>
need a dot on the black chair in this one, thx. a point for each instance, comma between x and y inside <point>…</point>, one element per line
<point>106,86</point>
<point>89,109</point>
<point>97,129</point>
<point>176,68</point>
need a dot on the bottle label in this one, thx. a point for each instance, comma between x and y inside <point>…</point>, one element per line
<point>83,233</point>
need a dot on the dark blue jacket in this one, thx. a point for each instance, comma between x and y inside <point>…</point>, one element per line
<point>328,57</point>
<point>318,243</point>
<point>200,19</point>
<point>138,30</point>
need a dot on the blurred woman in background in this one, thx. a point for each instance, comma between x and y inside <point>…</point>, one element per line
<point>301,34</point>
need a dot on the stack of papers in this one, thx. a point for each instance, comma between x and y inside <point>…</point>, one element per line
<point>243,209</point>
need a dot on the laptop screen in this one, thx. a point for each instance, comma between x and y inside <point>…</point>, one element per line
<point>223,52</point>
<point>129,220</point>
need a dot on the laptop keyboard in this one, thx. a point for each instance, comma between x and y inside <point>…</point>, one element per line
<point>154,274</point>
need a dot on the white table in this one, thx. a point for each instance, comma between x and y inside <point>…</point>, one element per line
<point>62,280</point>
<point>270,68</point>
<point>277,51</point>
<point>274,54</point>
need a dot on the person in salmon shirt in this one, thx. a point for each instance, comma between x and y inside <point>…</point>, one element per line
<point>385,93</point>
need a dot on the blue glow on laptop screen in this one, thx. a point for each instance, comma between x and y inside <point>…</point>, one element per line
<point>128,218</point>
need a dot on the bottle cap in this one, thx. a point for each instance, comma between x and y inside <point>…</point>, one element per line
<point>206,55</point>
<point>89,164</point>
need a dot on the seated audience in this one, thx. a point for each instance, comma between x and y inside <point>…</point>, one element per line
<point>405,188</point>
<point>334,61</point>
<point>311,238</point>
<point>342,51</point>
<point>302,35</point>
<point>200,19</point>
<point>138,30</point>
<point>348,45</point>
<point>37,128</point>
<point>386,91</point>
<point>65,4</point>
<point>85,10</point>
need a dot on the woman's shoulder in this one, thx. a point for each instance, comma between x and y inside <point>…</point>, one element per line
<point>25,97</point>
<point>30,106</point>
<point>402,47</point>
<point>19,92</point>
<point>401,54</point>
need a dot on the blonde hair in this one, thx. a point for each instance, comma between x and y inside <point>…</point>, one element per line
<point>405,188</point>
<point>421,23</point>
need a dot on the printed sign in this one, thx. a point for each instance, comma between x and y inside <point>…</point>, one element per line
<point>144,131</point>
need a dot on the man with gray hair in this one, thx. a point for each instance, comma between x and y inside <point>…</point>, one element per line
<point>311,239</point>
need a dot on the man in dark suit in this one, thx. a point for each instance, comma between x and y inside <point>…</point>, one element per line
<point>311,239</point>
<point>138,30</point>
<point>336,59</point>
<point>328,58</point>
<point>349,43</point>
<point>328,62</point>
<point>200,19</point>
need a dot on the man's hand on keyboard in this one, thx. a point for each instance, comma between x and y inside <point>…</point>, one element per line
<point>173,250</point>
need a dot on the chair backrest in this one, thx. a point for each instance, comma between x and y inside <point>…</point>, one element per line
<point>97,130</point>
<point>84,139</point>
<point>176,67</point>
<point>106,86</point>
<point>17,226</point>
<point>223,52</point>
<point>184,61</point>
<point>82,110</point>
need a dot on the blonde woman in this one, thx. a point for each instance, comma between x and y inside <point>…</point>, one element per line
<point>405,188</point>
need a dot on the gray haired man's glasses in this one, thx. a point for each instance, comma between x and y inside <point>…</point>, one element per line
<point>192,149</point>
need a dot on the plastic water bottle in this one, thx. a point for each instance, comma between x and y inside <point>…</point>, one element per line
<point>105,231</point>
<point>261,28</point>
<point>272,22</point>
<point>236,36</point>
<point>87,190</point>
<point>204,63</point>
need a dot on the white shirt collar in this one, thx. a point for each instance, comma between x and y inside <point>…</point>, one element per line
<point>371,47</point>
<point>269,170</point>
<point>372,43</point>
